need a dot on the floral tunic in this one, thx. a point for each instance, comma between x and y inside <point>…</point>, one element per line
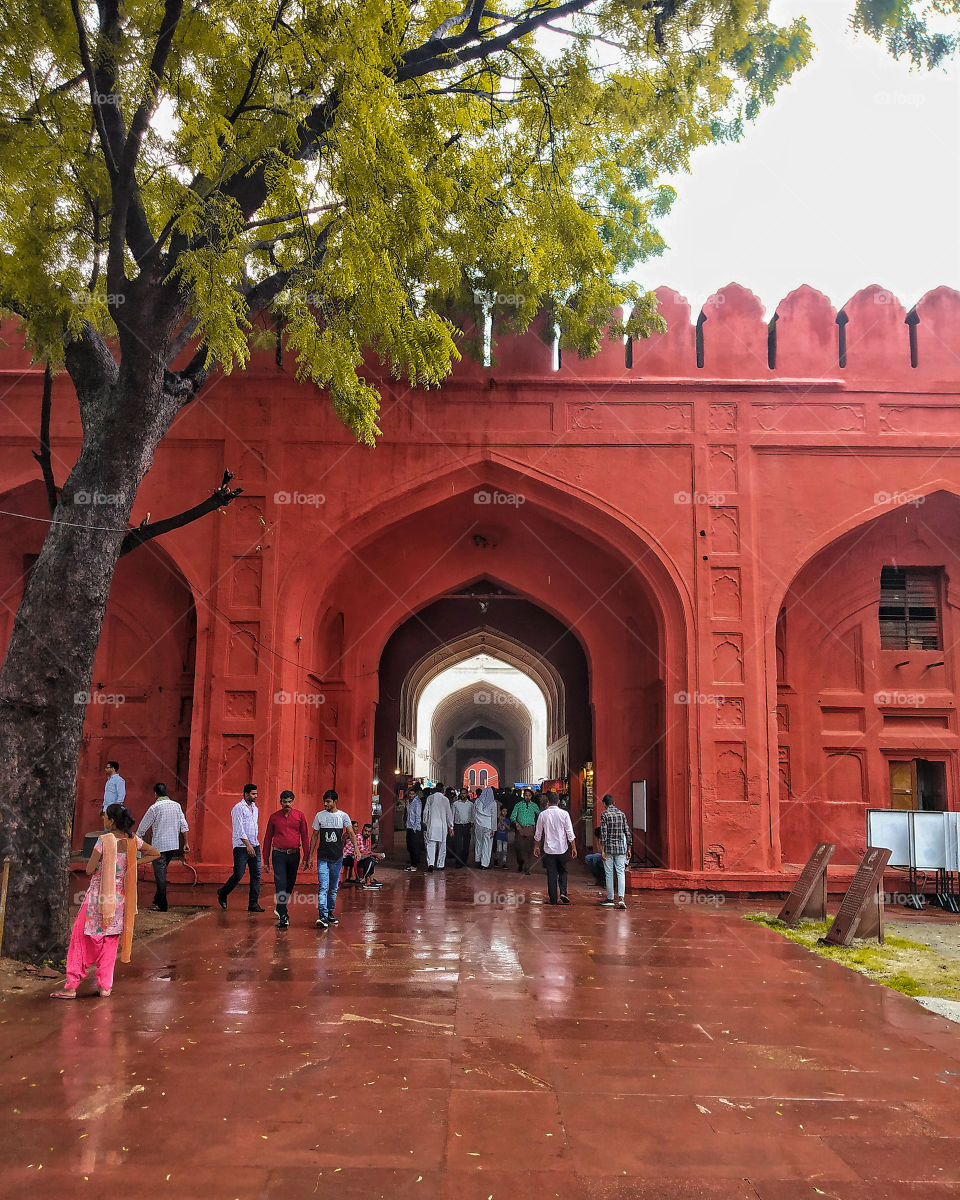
<point>93,926</point>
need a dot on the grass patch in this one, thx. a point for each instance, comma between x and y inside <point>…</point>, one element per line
<point>901,964</point>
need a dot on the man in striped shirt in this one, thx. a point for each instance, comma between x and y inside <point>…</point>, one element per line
<point>165,820</point>
<point>616,837</point>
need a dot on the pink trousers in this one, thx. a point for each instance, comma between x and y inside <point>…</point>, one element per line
<point>85,952</point>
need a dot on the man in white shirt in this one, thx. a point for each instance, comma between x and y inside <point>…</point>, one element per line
<point>462,821</point>
<point>437,823</point>
<point>555,831</point>
<point>115,789</point>
<point>165,820</point>
<point>246,849</point>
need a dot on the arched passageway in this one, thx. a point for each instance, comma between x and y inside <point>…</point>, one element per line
<point>559,589</point>
<point>869,720</point>
<point>140,703</point>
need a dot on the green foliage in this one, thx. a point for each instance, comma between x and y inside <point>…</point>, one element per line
<point>362,171</point>
<point>910,30</point>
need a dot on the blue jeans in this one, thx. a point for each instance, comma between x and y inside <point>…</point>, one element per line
<point>618,863</point>
<point>241,861</point>
<point>595,863</point>
<point>328,880</point>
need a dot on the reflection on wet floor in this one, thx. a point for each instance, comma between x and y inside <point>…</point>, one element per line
<point>431,1046</point>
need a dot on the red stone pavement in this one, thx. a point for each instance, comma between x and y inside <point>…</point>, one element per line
<point>440,1045</point>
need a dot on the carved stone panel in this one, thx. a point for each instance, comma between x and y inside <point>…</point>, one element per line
<point>730,711</point>
<point>728,658</point>
<point>248,523</point>
<point>236,762</point>
<point>242,705</point>
<point>723,469</point>
<point>731,772</point>
<point>722,417</point>
<point>723,526</point>
<point>243,657</point>
<point>247,586</point>
<point>725,593</point>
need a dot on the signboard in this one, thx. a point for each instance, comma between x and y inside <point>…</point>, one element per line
<point>861,910</point>
<point>809,895</point>
<point>928,841</point>
<point>638,794</point>
<point>890,828</point>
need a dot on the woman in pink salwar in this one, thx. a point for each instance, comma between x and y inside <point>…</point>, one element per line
<point>104,923</point>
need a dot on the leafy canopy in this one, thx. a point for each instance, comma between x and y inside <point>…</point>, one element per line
<point>360,169</point>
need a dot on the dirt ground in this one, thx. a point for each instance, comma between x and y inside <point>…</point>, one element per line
<point>17,978</point>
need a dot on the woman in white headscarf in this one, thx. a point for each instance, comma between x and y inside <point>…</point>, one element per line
<point>485,815</point>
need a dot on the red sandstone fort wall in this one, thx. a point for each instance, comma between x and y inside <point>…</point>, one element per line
<point>670,510</point>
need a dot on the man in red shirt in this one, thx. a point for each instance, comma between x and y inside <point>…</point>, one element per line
<point>285,837</point>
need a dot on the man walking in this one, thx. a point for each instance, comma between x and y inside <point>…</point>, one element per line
<point>555,830</point>
<point>329,829</point>
<point>616,837</point>
<point>245,820</point>
<point>462,821</point>
<point>485,817</point>
<point>115,788</point>
<point>286,836</point>
<point>437,823</point>
<point>414,827</point>
<point>524,818</point>
<point>165,820</point>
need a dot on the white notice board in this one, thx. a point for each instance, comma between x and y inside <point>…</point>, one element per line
<point>928,836</point>
<point>638,791</point>
<point>889,829</point>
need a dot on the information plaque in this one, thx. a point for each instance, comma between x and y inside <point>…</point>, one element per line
<point>861,910</point>
<point>809,895</point>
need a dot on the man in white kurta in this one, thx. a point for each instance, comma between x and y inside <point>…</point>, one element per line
<point>485,814</point>
<point>437,823</point>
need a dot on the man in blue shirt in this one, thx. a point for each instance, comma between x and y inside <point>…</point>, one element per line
<point>115,788</point>
<point>244,818</point>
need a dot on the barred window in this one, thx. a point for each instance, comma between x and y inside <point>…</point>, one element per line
<point>910,608</point>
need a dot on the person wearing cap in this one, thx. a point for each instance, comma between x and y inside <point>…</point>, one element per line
<point>437,823</point>
<point>554,830</point>
<point>286,838</point>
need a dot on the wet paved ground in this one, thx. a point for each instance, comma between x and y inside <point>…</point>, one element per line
<point>437,1046</point>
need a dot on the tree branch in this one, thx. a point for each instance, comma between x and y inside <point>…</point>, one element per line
<point>147,530</point>
<point>43,454</point>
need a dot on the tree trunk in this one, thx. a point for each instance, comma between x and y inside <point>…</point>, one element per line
<point>46,674</point>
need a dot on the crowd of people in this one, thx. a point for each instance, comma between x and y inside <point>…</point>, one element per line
<point>443,822</point>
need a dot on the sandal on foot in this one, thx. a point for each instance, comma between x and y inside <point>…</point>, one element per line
<point>63,994</point>
<point>105,991</point>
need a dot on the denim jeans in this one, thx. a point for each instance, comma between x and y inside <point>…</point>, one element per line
<point>241,861</point>
<point>285,868</point>
<point>618,863</point>
<point>595,863</point>
<point>160,875</point>
<point>328,880</point>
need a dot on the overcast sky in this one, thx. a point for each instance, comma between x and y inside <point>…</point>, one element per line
<point>851,178</point>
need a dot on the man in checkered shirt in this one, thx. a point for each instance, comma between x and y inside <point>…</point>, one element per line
<point>616,838</point>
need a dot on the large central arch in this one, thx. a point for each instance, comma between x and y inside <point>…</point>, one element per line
<point>576,573</point>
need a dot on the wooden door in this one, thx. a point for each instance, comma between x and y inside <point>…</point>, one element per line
<point>903,784</point>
